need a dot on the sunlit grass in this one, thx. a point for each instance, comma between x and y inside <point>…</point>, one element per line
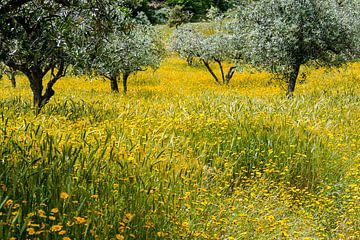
<point>180,157</point>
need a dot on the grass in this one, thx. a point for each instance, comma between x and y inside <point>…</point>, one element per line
<point>180,157</point>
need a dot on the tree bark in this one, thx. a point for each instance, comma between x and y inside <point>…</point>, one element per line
<point>49,92</point>
<point>292,80</point>
<point>211,71</point>
<point>125,78</point>
<point>229,75</point>
<point>12,75</point>
<point>114,84</point>
<point>35,77</point>
<point>221,70</point>
<point>189,60</point>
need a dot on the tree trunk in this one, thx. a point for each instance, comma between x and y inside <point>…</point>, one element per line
<point>221,70</point>
<point>189,60</point>
<point>48,94</point>
<point>114,84</point>
<point>211,71</point>
<point>10,73</point>
<point>125,78</point>
<point>292,81</point>
<point>229,75</point>
<point>35,77</point>
<point>12,78</point>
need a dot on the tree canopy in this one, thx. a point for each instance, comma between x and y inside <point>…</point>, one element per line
<point>40,37</point>
<point>131,48</point>
<point>283,35</point>
<point>214,48</point>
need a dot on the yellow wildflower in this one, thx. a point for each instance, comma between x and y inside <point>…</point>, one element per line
<point>41,213</point>
<point>8,203</point>
<point>16,206</point>
<point>95,196</point>
<point>56,228</point>
<point>64,195</point>
<point>119,237</point>
<point>30,215</point>
<point>129,217</point>
<point>70,224</point>
<point>54,210</point>
<point>30,231</point>
<point>185,224</point>
<point>80,220</point>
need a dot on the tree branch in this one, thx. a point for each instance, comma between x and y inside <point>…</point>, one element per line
<point>107,77</point>
<point>221,69</point>
<point>49,92</point>
<point>24,24</point>
<point>229,75</point>
<point>211,71</point>
<point>19,67</point>
<point>331,49</point>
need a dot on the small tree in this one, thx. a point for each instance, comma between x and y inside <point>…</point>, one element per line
<point>213,14</point>
<point>178,16</point>
<point>216,48</point>
<point>283,35</point>
<point>187,43</point>
<point>131,48</point>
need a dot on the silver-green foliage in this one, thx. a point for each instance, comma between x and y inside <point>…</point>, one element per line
<point>186,42</point>
<point>131,48</point>
<point>41,37</point>
<point>218,47</point>
<point>281,35</point>
<point>177,16</point>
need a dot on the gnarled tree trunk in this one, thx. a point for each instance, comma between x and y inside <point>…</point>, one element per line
<point>229,75</point>
<point>35,76</point>
<point>225,78</point>
<point>114,84</point>
<point>292,80</point>
<point>12,75</point>
<point>125,76</point>
<point>207,65</point>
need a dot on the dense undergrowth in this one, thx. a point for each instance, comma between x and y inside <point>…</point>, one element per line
<point>180,157</point>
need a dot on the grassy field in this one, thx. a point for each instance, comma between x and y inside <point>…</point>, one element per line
<point>180,157</point>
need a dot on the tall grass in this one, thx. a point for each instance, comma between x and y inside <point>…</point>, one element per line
<point>182,158</point>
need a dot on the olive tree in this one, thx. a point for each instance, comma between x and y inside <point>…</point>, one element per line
<point>43,38</point>
<point>215,48</point>
<point>282,35</point>
<point>131,48</point>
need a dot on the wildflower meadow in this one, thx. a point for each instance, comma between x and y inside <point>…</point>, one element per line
<point>181,157</point>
